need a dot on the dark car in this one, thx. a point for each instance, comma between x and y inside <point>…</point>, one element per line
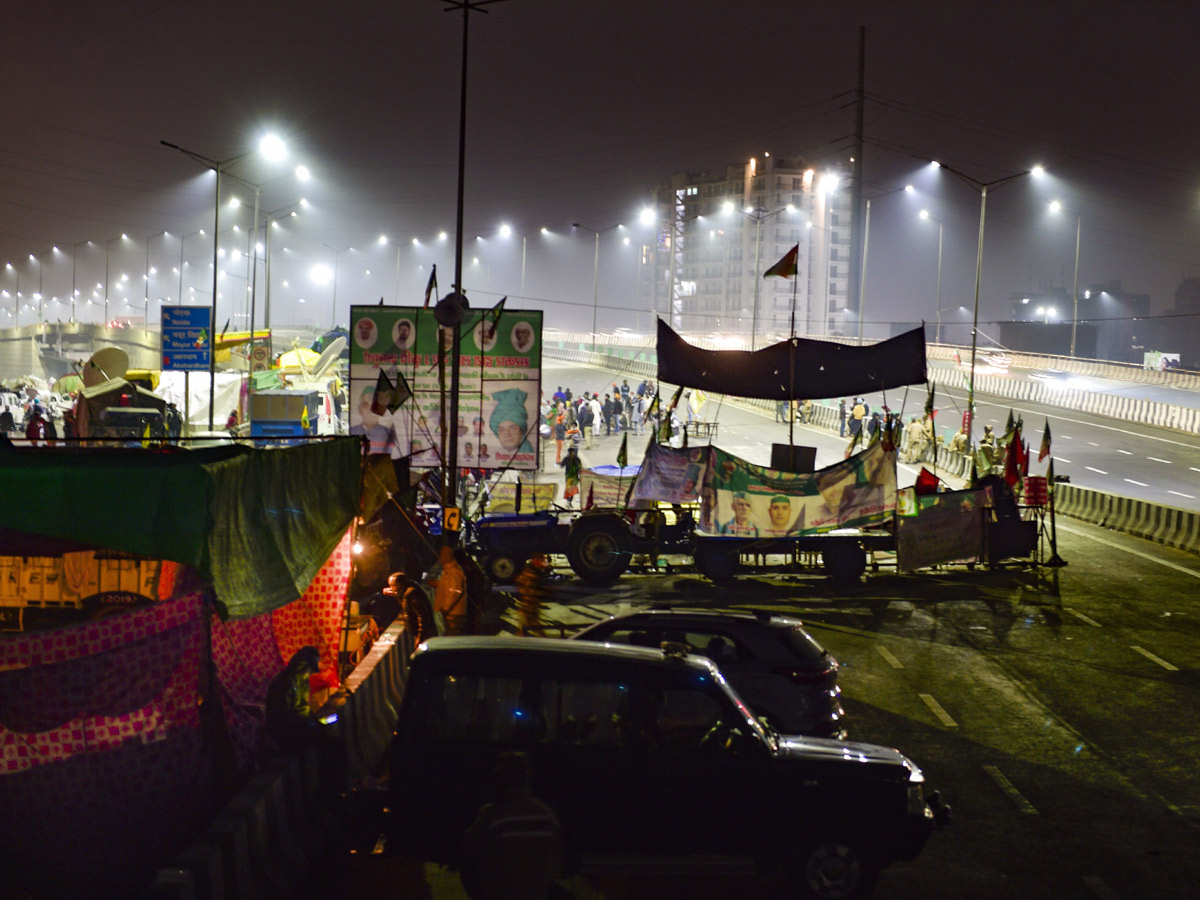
<point>650,761</point>
<point>776,666</point>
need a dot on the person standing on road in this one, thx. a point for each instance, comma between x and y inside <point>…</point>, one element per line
<point>586,420</point>
<point>842,417</point>
<point>532,593</point>
<point>450,592</point>
<point>560,436</point>
<point>597,416</point>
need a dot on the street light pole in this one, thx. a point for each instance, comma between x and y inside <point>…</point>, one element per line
<point>862,279</point>
<point>925,215</point>
<point>270,146</point>
<point>595,273</point>
<point>1055,207</point>
<point>982,187</point>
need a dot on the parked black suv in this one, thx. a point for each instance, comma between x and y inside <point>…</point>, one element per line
<point>649,759</point>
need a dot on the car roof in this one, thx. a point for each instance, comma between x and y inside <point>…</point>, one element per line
<point>499,644</point>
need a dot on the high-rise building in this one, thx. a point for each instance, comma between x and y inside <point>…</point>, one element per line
<point>717,233</point>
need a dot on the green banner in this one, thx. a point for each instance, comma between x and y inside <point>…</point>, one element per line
<point>500,360</point>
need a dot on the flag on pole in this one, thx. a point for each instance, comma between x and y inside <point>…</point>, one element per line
<point>1044,449</point>
<point>495,311</point>
<point>1014,459</point>
<point>1050,478</point>
<point>591,498</point>
<point>431,287</point>
<point>929,400</point>
<point>146,437</point>
<point>623,453</point>
<point>651,409</point>
<point>675,398</point>
<point>786,267</point>
<point>388,396</point>
<point>1008,427</point>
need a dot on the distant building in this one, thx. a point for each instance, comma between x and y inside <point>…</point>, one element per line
<point>1111,324</point>
<point>1177,330</point>
<point>716,233</point>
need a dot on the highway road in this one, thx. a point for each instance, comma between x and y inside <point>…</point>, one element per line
<point>1132,460</point>
<point>1055,709</point>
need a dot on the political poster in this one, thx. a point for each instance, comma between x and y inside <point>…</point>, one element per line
<point>671,475</point>
<point>500,361</point>
<point>741,499</point>
<point>935,529</point>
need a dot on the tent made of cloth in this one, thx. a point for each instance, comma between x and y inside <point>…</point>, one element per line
<point>257,524</point>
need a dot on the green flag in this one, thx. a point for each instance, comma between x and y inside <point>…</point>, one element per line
<point>1011,422</point>
<point>623,453</point>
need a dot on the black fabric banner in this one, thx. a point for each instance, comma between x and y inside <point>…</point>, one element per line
<point>799,369</point>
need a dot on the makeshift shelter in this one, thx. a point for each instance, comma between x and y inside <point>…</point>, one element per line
<point>92,416</point>
<point>118,735</point>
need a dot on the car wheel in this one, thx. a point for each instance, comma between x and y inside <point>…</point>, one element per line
<point>599,549</point>
<point>500,567</point>
<point>832,869</point>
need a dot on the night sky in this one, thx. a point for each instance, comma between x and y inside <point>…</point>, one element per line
<point>576,110</point>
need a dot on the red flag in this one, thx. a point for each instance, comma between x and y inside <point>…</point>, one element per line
<point>926,483</point>
<point>591,500</point>
<point>431,287</point>
<point>1024,459</point>
<point>1044,450</point>
<point>1015,459</point>
<point>786,267</point>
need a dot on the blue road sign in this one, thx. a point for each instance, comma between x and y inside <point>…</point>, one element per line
<point>187,338</point>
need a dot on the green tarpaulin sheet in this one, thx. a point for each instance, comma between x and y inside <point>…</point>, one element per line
<point>256,523</point>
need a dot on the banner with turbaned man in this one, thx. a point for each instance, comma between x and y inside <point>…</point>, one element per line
<point>741,499</point>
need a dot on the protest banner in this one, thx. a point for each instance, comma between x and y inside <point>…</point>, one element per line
<point>742,499</point>
<point>940,528</point>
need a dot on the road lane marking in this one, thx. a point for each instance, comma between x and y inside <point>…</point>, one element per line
<point>1115,545</point>
<point>1156,459</point>
<point>1194,469</point>
<point>1099,888</point>
<point>1080,615</point>
<point>1178,494</point>
<point>887,654</point>
<point>1156,659</point>
<point>938,711</point>
<point>1097,471</point>
<point>1093,444</point>
<point>1126,452</point>
<point>1060,459</point>
<point>1138,483</point>
<point>1013,794</point>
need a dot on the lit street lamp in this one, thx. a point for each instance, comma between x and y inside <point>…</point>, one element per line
<point>273,149</point>
<point>1058,207</point>
<point>982,187</point>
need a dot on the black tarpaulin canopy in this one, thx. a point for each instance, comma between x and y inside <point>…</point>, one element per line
<point>796,369</point>
<point>257,524</point>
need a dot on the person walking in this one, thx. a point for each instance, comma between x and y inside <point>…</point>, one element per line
<point>572,467</point>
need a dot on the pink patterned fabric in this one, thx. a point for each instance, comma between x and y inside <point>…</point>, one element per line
<point>246,658</point>
<point>103,770</point>
<point>316,619</point>
<point>98,685</point>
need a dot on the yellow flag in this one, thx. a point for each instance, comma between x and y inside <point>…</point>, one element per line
<point>304,419</point>
<point>146,436</point>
